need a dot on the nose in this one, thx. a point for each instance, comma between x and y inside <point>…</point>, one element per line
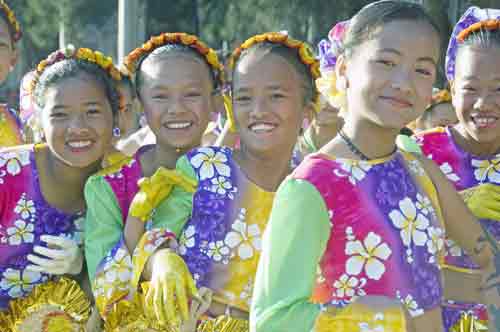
<point>177,106</point>
<point>259,108</point>
<point>78,125</point>
<point>401,80</point>
<point>484,102</point>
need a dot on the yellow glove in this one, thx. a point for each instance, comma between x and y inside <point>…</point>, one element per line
<point>153,190</point>
<point>170,289</point>
<point>483,201</point>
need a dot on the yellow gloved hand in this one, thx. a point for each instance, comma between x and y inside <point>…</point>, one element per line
<point>153,190</point>
<point>483,201</point>
<point>170,289</point>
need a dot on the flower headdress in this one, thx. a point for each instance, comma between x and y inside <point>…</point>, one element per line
<point>474,19</point>
<point>328,52</point>
<point>440,97</point>
<point>304,52</point>
<point>134,58</point>
<point>11,18</point>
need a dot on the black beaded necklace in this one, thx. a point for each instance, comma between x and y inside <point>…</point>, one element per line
<point>354,149</point>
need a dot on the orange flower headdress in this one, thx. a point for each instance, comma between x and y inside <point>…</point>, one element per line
<point>440,97</point>
<point>11,18</point>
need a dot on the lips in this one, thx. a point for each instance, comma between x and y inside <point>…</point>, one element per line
<point>178,125</point>
<point>397,101</point>
<point>484,120</point>
<point>80,145</point>
<point>262,127</point>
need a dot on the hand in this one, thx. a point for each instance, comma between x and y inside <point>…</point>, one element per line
<point>483,201</point>
<point>61,256</point>
<point>198,307</point>
<point>153,190</point>
<point>170,287</point>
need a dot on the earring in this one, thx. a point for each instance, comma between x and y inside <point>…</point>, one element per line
<point>117,132</point>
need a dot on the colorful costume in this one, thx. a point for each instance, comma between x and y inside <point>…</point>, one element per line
<point>221,241</point>
<point>347,229</point>
<point>10,127</point>
<point>110,264</point>
<point>464,170</point>
<point>25,216</point>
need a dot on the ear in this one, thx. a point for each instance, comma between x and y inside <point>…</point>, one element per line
<point>341,73</point>
<point>453,88</point>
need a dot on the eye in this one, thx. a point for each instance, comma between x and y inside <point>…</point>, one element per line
<point>424,71</point>
<point>93,111</point>
<point>386,63</point>
<point>242,99</point>
<point>193,94</point>
<point>277,95</point>
<point>159,97</point>
<point>58,115</point>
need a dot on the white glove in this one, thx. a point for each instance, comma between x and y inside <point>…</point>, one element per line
<point>61,256</point>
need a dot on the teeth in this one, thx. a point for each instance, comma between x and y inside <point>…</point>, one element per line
<point>484,121</point>
<point>178,125</point>
<point>262,127</point>
<point>79,144</point>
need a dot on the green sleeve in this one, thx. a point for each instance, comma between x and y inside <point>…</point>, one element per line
<point>103,222</point>
<point>293,243</point>
<point>174,212</point>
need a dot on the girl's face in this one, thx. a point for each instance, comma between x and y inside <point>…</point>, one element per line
<point>8,54</point>
<point>127,117</point>
<point>77,120</point>
<point>476,93</point>
<point>177,96</point>
<point>389,77</point>
<point>268,103</point>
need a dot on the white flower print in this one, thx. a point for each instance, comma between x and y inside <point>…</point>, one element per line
<point>118,269</point>
<point>246,238</point>
<point>18,282</point>
<point>356,170</point>
<point>219,252</point>
<point>246,294</point>
<point>222,185</point>
<point>368,255</point>
<point>365,327</point>
<point>487,170</point>
<point>416,168</point>
<point>424,205</point>
<point>453,249</point>
<point>412,224</point>
<point>210,163</point>
<point>187,239</point>
<point>448,171</point>
<point>410,305</point>
<point>25,207</point>
<point>349,286</point>
<point>14,161</point>
<point>22,232</point>
<point>435,243</point>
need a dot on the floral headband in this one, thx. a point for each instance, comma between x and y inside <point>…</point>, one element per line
<point>440,97</point>
<point>474,19</point>
<point>11,18</point>
<point>70,52</point>
<point>304,52</point>
<point>135,57</point>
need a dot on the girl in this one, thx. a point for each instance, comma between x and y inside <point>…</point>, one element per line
<point>10,34</point>
<point>439,113</point>
<point>177,77</point>
<point>41,191</point>
<point>361,219</point>
<point>223,222</point>
<point>468,154</point>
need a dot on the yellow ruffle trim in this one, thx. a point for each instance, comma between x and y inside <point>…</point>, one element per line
<point>354,316</point>
<point>56,306</point>
<point>224,324</point>
<point>469,323</point>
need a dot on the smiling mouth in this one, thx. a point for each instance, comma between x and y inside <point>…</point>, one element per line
<point>178,125</point>
<point>484,121</point>
<point>81,145</point>
<point>262,127</point>
<point>397,102</point>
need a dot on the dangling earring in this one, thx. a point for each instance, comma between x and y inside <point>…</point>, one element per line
<point>117,132</point>
<point>178,150</point>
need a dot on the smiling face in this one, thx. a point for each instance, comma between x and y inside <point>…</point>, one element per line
<point>268,100</point>
<point>77,120</point>
<point>177,95</point>
<point>8,55</point>
<point>389,77</point>
<point>476,93</point>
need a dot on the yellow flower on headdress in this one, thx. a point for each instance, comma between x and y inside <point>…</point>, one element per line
<point>188,39</point>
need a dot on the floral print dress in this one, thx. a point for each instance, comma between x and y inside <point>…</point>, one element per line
<point>24,217</point>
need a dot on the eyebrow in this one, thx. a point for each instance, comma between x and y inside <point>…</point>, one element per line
<point>425,58</point>
<point>90,103</point>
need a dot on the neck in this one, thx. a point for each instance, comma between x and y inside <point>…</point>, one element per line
<point>320,135</point>
<point>266,171</point>
<point>469,144</point>
<point>165,156</point>
<point>372,140</point>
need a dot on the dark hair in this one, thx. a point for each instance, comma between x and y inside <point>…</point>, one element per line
<point>483,38</point>
<point>292,57</point>
<point>12,32</point>
<point>166,50</point>
<point>71,68</point>
<point>382,12</point>
<point>127,82</point>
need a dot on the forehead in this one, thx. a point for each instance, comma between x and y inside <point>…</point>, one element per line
<point>173,69</point>
<point>263,68</point>
<point>75,90</point>
<point>478,62</point>
<point>413,39</point>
